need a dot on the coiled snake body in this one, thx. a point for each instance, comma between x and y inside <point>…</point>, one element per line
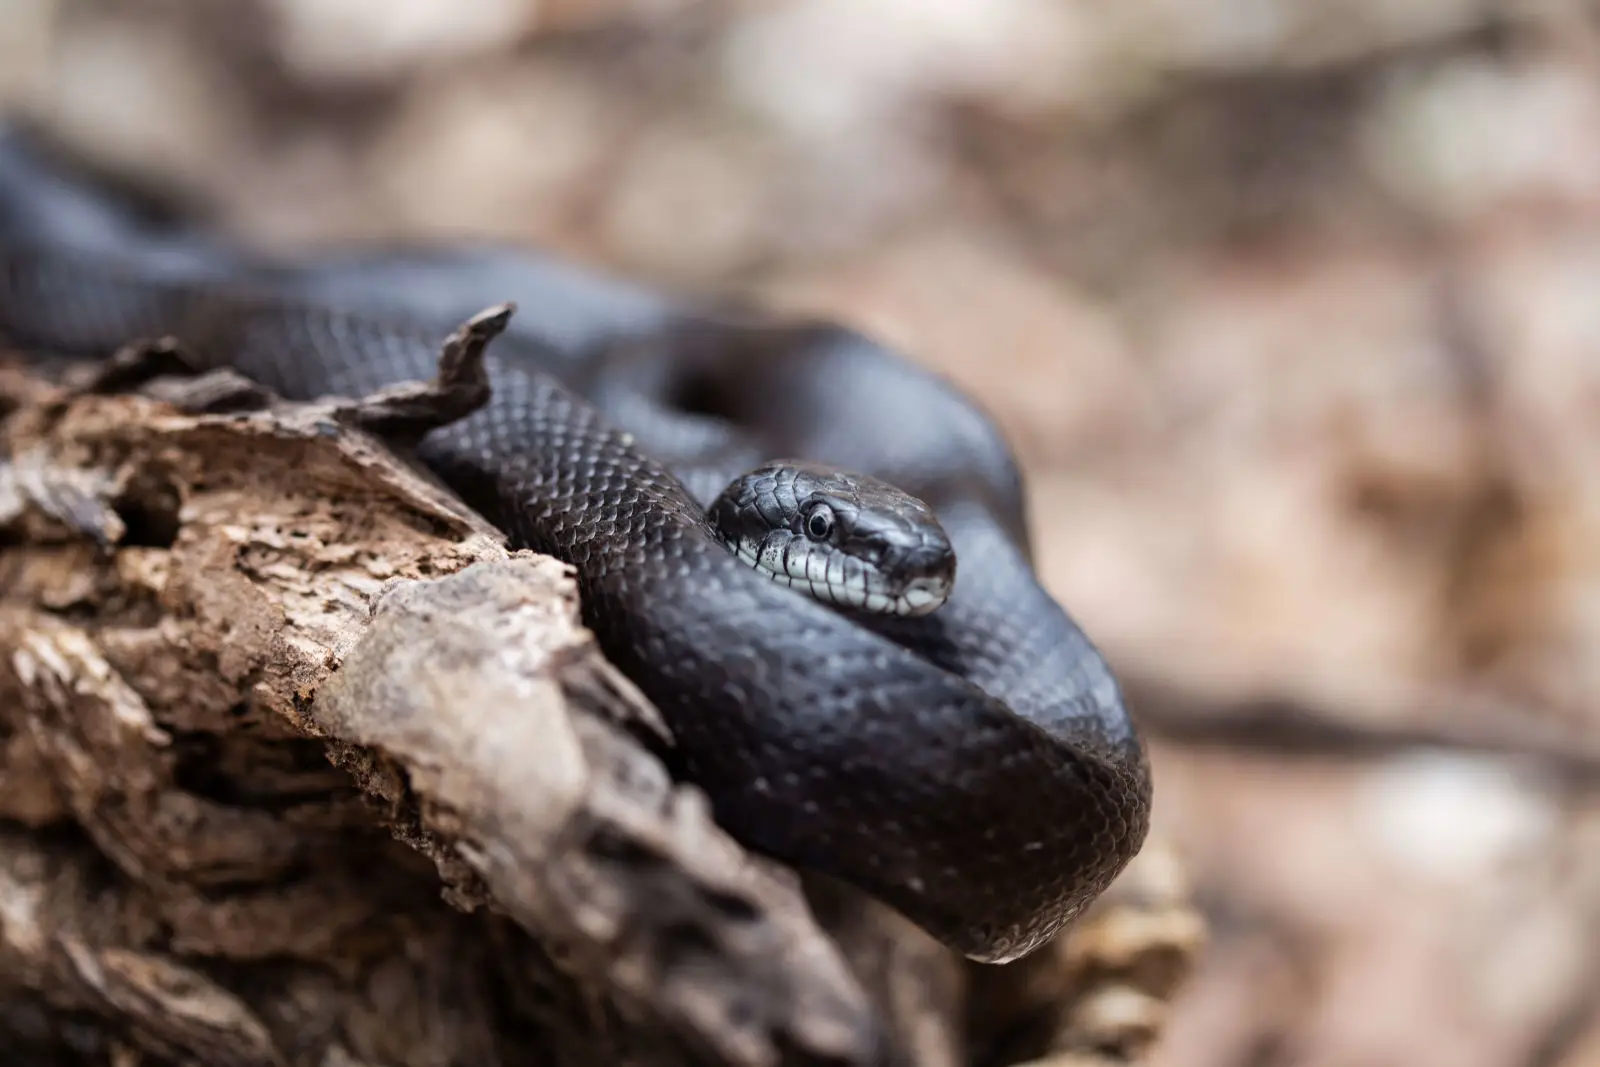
<point>973,767</point>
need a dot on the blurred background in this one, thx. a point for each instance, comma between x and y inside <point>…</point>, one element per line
<point>1292,309</point>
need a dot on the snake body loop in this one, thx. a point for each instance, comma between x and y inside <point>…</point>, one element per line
<point>973,767</point>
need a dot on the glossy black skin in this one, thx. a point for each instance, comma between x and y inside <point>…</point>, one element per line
<point>974,768</point>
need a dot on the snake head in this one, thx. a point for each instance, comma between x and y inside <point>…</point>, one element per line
<point>844,538</point>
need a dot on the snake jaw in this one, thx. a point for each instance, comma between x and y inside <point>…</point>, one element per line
<point>844,581</point>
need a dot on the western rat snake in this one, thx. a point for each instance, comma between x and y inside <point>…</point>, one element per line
<point>974,767</point>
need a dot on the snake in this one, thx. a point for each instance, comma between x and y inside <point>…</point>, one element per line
<point>810,552</point>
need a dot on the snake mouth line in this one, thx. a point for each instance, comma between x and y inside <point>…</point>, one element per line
<point>858,588</point>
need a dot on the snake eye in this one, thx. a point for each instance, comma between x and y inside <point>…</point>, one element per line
<point>819,523</point>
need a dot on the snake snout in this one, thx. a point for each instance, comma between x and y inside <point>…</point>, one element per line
<point>918,576</point>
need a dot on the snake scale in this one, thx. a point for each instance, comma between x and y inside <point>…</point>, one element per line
<point>973,767</point>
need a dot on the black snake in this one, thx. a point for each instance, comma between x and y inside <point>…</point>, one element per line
<point>973,767</point>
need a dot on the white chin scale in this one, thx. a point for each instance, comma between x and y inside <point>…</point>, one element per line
<point>922,596</point>
<point>838,579</point>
